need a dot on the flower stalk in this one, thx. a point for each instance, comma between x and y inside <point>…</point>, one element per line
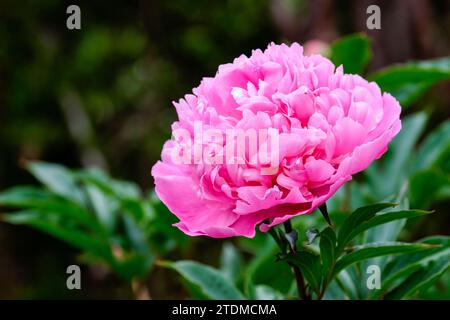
<point>290,236</point>
<point>301,287</point>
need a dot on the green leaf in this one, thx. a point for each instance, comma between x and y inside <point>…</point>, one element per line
<point>25,196</point>
<point>45,201</point>
<point>57,179</point>
<point>81,208</point>
<point>358,217</point>
<point>385,218</point>
<point>440,290</point>
<point>104,206</point>
<point>443,193</point>
<point>74,237</point>
<point>389,231</point>
<point>263,292</point>
<point>443,162</point>
<point>163,234</point>
<point>119,188</point>
<point>337,291</point>
<point>141,209</point>
<point>432,147</point>
<point>210,281</point>
<point>407,81</point>
<point>403,266</point>
<point>264,269</point>
<point>230,262</point>
<point>309,265</point>
<point>425,187</point>
<point>327,250</point>
<point>134,265</point>
<point>346,282</point>
<point>135,235</point>
<point>387,177</point>
<point>353,52</point>
<point>363,252</point>
<point>378,225</point>
<point>386,232</point>
<point>420,279</point>
<point>410,93</point>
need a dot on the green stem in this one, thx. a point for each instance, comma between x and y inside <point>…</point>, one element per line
<point>301,286</point>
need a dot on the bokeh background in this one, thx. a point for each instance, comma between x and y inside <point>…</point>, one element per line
<point>102,96</point>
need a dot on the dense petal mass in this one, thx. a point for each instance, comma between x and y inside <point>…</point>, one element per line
<point>329,126</point>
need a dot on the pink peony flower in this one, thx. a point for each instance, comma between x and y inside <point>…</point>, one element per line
<point>329,126</point>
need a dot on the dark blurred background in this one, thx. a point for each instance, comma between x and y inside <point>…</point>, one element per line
<point>102,95</point>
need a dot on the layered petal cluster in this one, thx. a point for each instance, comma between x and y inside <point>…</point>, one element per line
<point>331,125</point>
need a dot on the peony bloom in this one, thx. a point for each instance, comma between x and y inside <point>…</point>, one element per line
<point>329,126</point>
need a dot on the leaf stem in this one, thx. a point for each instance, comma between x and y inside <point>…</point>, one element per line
<point>297,272</point>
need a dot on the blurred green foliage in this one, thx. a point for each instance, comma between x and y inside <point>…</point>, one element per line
<point>108,220</point>
<point>111,223</point>
<point>100,97</point>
